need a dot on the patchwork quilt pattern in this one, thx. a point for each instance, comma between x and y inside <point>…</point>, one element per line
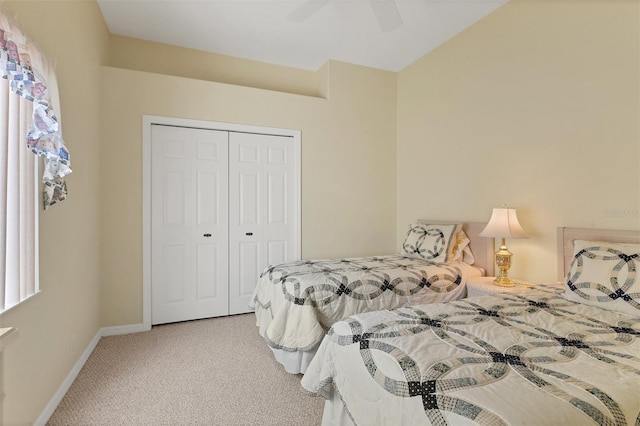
<point>528,358</point>
<point>297,302</point>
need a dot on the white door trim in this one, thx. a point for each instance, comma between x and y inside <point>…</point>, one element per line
<point>147,122</point>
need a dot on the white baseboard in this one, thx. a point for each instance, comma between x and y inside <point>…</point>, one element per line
<point>66,384</point>
<point>124,329</point>
<point>68,381</point>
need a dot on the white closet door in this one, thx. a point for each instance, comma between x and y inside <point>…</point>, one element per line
<point>189,221</point>
<point>262,210</point>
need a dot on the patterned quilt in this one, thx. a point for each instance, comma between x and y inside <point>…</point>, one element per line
<point>297,302</point>
<point>528,358</point>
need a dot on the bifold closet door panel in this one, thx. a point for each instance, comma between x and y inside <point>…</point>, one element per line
<point>262,210</point>
<point>189,224</point>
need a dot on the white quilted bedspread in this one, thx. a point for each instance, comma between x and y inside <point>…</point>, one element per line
<point>297,302</point>
<point>528,358</point>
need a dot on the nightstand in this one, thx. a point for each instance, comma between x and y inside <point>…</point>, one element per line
<point>482,286</point>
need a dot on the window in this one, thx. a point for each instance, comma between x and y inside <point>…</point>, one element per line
<point>28,125</point>
<point>18,201</point>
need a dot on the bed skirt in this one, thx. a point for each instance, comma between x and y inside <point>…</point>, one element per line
<point>294,362</point>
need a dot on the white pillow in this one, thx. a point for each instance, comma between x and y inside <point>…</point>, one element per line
<point>605,274</point>
<point>435,243</point>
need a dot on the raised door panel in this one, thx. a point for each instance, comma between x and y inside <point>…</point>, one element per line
<point>249,255</point>
<point>276,252</point>
<point>276,199</point>
<point>174,274</point>
<point>208,198</point>
<point>248,193</point>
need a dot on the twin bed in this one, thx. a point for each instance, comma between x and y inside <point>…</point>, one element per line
<point>296,303</point>
<point>563,354</point>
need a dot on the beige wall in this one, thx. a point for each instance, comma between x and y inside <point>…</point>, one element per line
<point>142,55</point>
<point>35,364</point>
<point>536,106</point>
<point>348,162</point>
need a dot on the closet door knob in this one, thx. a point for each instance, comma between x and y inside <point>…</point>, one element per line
<point>207,235</point>
<point>249,233</point>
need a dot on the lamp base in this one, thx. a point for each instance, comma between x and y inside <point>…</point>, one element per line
<point>503,261</point>
<point>503,281</point>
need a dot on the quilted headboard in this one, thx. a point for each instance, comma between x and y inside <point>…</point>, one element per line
<point>566,236</point>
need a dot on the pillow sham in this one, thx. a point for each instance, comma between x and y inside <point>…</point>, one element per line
<point>435,243</point>
<point>604,274</point>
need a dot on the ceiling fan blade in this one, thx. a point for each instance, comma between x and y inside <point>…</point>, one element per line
<point>387,14</point>
<point>306,9</point>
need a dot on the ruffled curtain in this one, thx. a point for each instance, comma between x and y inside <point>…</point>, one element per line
<point>29,72</point>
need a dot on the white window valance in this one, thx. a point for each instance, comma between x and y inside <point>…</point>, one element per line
<point>31,76</point>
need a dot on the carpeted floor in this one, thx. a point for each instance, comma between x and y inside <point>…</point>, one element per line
<point>216,371</point>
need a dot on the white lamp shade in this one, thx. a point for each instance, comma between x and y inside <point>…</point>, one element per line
<point>504,224</point>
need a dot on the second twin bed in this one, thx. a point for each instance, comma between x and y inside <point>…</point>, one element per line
<point>296,303</point>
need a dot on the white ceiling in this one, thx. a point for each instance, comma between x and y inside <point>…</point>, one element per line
<point>263,30</point>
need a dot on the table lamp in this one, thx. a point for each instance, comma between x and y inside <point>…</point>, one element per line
<point>503,224</point>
